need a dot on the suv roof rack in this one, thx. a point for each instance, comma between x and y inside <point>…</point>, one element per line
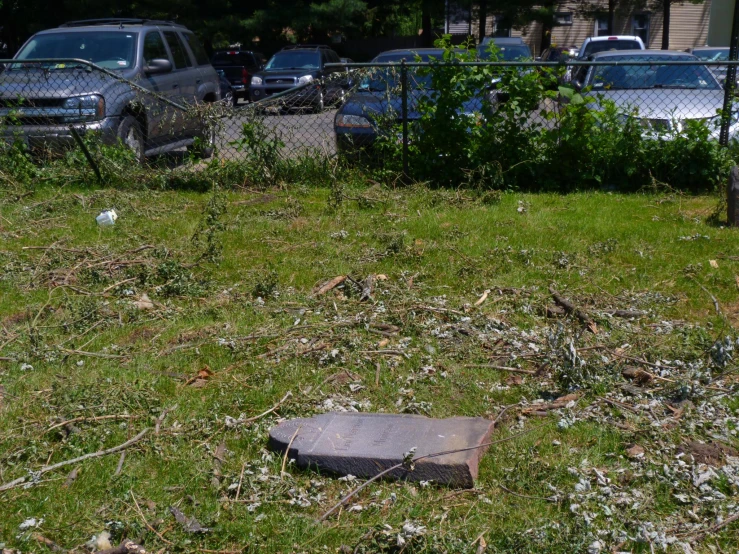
<point>118,21</point>
<point>305,46</point>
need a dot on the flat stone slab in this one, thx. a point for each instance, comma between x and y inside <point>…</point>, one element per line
<point>363,445</point>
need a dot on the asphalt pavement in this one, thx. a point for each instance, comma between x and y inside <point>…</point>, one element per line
<point>300,132</point>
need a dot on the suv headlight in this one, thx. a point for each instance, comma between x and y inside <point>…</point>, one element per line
<point>305,79</point>
<point>83,108</point>
<point>352,121</point>
<point>256,80</point>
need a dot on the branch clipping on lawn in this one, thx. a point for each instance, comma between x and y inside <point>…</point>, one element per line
<point>46,469</point>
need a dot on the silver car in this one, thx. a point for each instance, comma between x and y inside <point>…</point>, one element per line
<point>147,69</point>
<point>661,96</point>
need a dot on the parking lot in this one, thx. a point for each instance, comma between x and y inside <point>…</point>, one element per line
<point>299,131</point>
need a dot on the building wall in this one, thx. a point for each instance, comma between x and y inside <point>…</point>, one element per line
<point>688,27</point>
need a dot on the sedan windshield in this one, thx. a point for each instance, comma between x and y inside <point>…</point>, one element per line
<point>108,49</point>
<point>295,60</point>
<point>657,75</point>
<point>506,53</point>
<point>714,55</point>
<point>384,79</point>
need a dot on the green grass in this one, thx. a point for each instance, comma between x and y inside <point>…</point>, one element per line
<point>437,248</point>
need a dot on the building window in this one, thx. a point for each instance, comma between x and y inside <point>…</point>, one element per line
<point>640,27</point>
<point>563,18</point>
<point>601,25</point>
<point>501,26</point>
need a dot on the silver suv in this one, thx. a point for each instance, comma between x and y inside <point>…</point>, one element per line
<point>147,69</point>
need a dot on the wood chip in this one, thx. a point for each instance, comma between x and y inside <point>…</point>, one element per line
<point>713,263</point>
<point>144,302</point>
<point>635,452</point>
<point>483,297</point>
<point>71,478</point>
<point>333,283</point>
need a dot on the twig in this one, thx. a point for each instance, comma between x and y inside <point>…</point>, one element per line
<point>143,518</point>
<point>641,361</point>
<point>241,480</point>
<point>502,368</point>
<point>378,368</point>
<point>571,309</point>
<point>119,467</point>
<point>398,353</point>
<point>272,409</point>
<point>161,417</point>
<point>287,450</point>
<point>98,454</point>
<point>126,547</point>
<point>54,547</point>
<point>427,456</point>
<point>84,418</point>
<point>119,283</point>
<point>716,527</point>
<point>715,302</point>
<point>94,354</point>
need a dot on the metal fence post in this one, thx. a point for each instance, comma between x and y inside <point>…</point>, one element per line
<point>404,110</point>
<point>730,83</point>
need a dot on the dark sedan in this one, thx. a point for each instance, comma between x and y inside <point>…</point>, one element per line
<point>376,107</point>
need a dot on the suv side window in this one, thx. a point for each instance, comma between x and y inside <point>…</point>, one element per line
<point>181,59</point>
<point>201,57</point>
<point>154,47</point>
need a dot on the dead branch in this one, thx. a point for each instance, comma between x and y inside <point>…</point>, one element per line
<point>627,314</point>
<point>126,547</point>
<point>94,354</point>
<point>570,308</point>
<point>368,288</point>
<point>333,283</point>
<point>502,368</point>
<point>141,515</point>
<point>86,419</point>
<point>98,454</point>
<point>161,417</point>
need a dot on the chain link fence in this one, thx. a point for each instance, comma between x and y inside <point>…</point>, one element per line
<point>426,120</point>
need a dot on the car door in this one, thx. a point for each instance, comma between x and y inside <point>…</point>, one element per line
<point>184,83</point>
<point>207,81</point>
<point>158,113</point>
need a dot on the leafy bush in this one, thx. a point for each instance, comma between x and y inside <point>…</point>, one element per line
<point>525,133</point>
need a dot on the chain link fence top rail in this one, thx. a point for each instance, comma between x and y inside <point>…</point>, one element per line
<point>382,113</point>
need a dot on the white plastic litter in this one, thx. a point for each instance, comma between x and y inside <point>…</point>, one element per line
<point>106,218</point>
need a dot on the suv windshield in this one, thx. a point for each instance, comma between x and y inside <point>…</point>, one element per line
<point>295,60</point>
<point>108,49</point>
<point>605,45</point>
<point>656,75</point>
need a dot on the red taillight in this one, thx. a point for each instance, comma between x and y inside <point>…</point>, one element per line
<point>245,76</point>
<point>232,53</point>
<point>612,38</point>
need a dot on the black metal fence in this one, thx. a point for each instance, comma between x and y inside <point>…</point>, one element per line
<point>406,115</point>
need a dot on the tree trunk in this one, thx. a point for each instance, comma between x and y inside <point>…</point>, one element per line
<point>666,24</point>
<point>483,20</point>
<point>611,16</point>
<point>426,39</point>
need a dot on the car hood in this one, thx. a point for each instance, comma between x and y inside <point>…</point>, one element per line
<point>668,103</point>
<point>57,83</point>
<point>374,104</point>
<point>287,73</point>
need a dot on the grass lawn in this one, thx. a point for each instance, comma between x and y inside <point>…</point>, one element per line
<point>196,312</point>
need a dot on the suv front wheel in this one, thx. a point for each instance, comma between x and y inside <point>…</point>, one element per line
<point>131,135</point>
